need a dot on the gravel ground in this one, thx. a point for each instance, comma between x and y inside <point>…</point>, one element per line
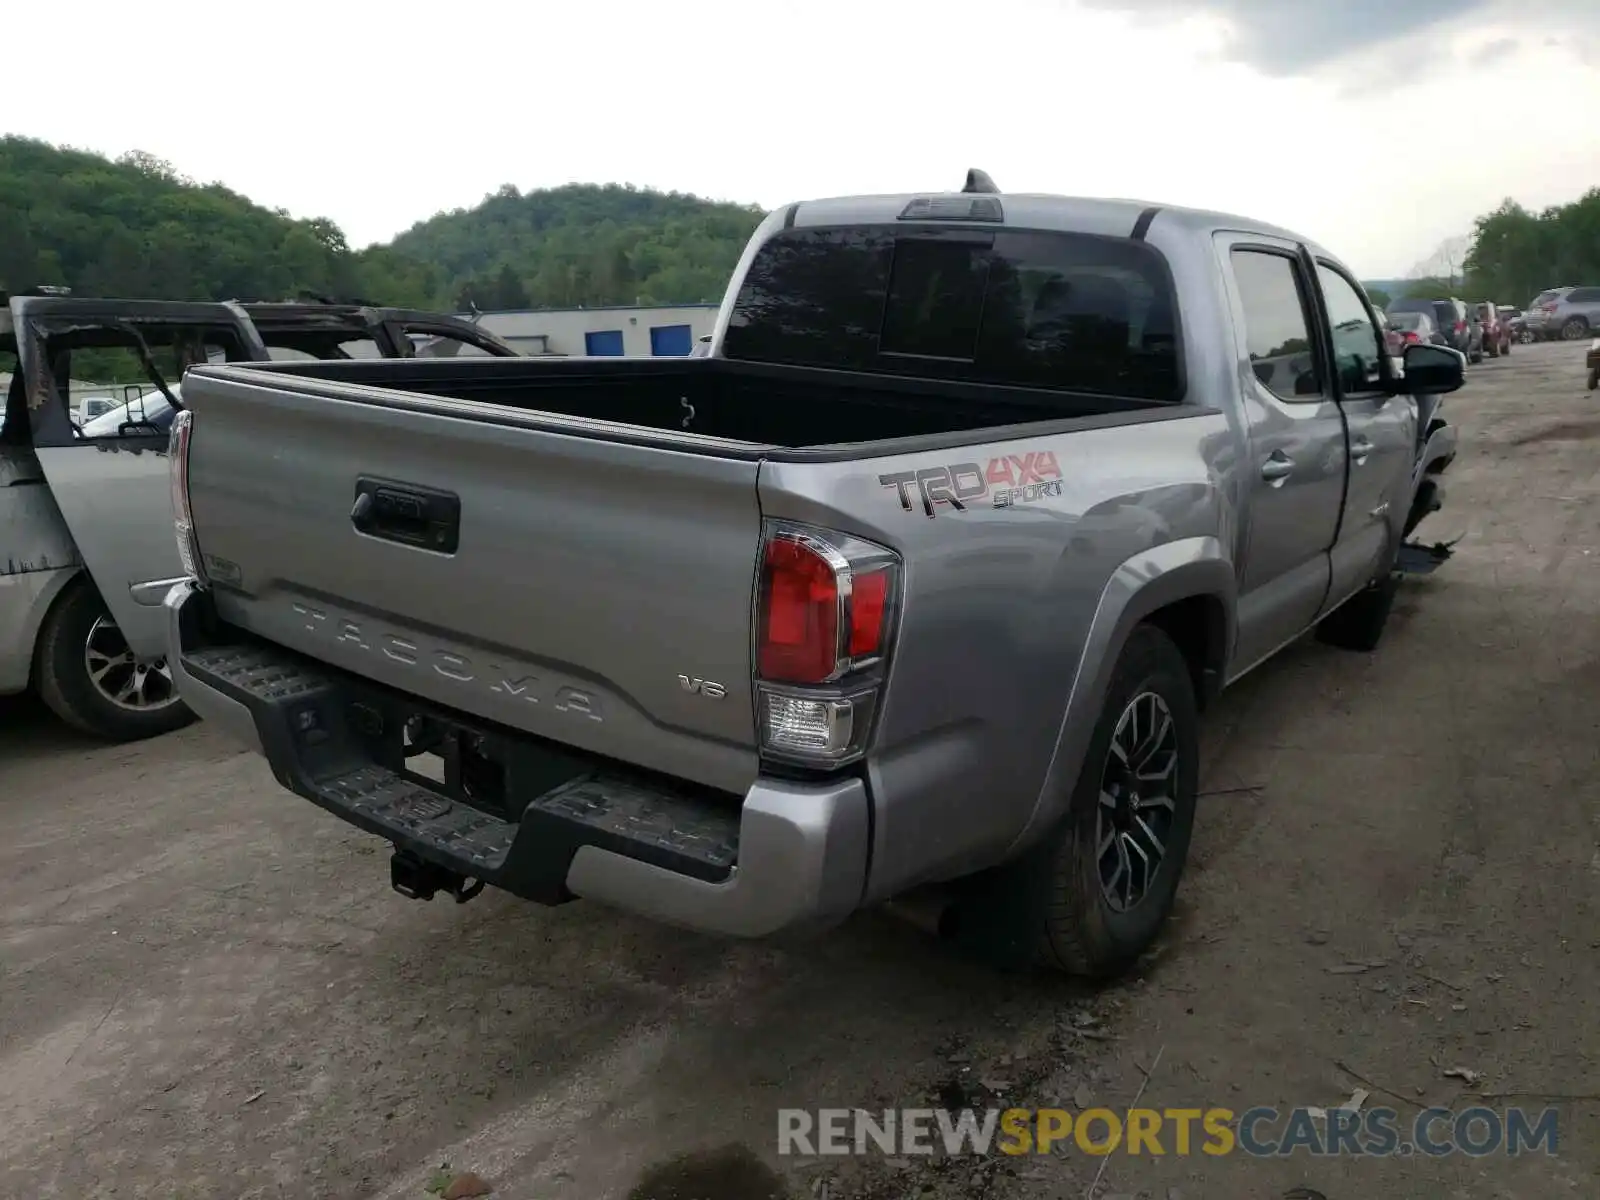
<point>207,989</point>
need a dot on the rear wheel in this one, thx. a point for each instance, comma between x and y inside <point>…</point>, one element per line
<point>1594,378</point>
<point>89,677</point>
<point>1575,328</point>
<point>1093,895</point>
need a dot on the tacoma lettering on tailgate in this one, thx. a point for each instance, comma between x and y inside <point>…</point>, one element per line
<point>1005,482</point>
<point>447,664</point>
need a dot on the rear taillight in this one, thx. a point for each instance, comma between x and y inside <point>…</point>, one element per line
<point>1461,326</point>
<point>825,613</point>
<point>1548,308</point>
<point>1409,337</point>
<point>178,474</point>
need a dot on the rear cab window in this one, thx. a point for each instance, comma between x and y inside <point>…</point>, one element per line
<point>1070,312</point>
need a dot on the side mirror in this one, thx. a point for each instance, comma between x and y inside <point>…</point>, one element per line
<point>1431,371</point>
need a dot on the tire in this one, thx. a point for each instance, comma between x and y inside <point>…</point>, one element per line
<point>1358,623</point>
<point>1494,351</point>
<point>78,626</point>
<point>1049,907</point>
<point>1574,329</point>
<point>1594,378</point>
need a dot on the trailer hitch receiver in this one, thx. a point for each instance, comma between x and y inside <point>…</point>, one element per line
<point>417,879</point>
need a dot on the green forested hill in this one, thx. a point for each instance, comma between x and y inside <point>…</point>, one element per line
<point>582,245</point>
<point>133,227</point>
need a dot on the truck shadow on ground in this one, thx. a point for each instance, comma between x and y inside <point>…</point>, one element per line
<point>731,1172</point>
<point>499,1005</point>
<point>876,1014</point>
<point>30,731</point>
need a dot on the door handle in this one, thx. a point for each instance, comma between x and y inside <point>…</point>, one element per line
<point>1359,450</point>
<point>1278,467</point>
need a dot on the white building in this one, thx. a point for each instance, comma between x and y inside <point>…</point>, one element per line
<point>631,330</point>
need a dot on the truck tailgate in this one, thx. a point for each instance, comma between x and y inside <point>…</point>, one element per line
<point>571,587</point>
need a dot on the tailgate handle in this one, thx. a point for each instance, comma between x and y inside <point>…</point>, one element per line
<point>407,513</point>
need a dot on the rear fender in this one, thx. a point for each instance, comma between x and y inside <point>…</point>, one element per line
<point>1147,582</point>
<point>25,600</point>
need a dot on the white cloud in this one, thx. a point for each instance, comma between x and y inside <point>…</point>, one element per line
<point>378,116</point>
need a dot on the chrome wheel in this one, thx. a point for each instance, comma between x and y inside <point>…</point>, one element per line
<point>1138,801</point>
<point>121,678</point>
<point>1575,329</point>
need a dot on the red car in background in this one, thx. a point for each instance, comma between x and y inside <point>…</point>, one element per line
<point>1409,328</point>
<point>1496,331</point>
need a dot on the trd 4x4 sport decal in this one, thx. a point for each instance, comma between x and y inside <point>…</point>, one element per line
<point>1014,479</point>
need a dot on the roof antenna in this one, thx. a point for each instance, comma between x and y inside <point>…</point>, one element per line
<point>979,181</point>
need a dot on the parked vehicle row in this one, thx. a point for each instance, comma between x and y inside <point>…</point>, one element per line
<point>84,498</point>
<point>1475,330</point>
<point>963,576</point>
<point>1454,323</point>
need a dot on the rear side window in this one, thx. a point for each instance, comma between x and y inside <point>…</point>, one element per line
<point>1276,329</point>
<point>1584,295</point>
<point>1062,311</point>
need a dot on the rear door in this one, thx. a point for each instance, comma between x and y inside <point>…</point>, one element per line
<point>1296,466</point>
<point>1381,431</point>
<point>111,484</point>
<point>1581,305</point>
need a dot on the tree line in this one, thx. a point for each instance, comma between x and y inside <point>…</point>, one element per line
<point>1515,254</point>
<point>135,227</point>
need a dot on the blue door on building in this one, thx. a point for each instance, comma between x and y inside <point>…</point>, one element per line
<point>671,339</point>
<point>603,341</point>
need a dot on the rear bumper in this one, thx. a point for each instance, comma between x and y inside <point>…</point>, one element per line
<point>790,856</point>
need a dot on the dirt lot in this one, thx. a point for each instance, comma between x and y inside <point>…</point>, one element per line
<point>207,989</point>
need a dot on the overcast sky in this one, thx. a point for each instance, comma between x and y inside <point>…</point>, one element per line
<point>1379,127</point>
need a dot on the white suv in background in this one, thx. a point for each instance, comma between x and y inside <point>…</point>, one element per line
<point>1569,313</point>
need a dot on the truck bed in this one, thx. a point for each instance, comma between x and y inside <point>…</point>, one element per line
<point>756,404</point>
<point>561,548</point>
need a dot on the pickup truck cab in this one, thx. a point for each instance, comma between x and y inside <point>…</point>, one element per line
<point>923,574</point>
<point>85,502</point>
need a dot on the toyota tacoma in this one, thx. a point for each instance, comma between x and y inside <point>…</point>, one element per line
<point>923,574</point>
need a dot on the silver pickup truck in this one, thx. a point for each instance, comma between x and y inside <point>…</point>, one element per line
<point>923,574</point>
